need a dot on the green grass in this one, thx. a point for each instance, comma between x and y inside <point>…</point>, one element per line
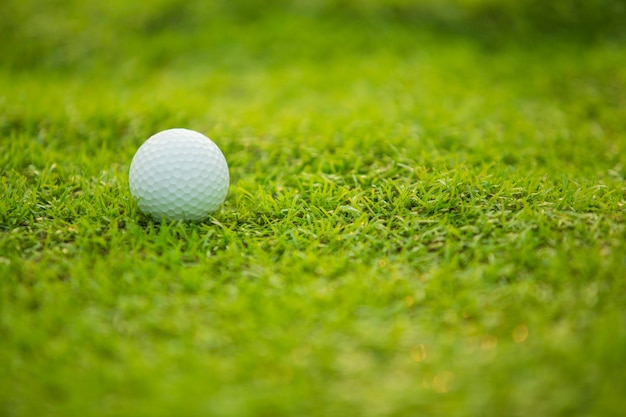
<point>424,218</point>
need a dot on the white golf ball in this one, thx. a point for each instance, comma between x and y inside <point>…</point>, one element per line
<point>179,174</point>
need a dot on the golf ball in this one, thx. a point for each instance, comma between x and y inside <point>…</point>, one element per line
<point>179,174</point>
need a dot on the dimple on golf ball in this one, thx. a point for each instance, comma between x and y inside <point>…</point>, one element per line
<point>179,174</point>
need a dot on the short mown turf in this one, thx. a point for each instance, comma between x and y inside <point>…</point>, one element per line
<point>424,217</point>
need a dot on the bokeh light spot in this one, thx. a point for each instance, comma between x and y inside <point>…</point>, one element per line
<point>489,342</point>
<point>520,333</point>
<point>418,353</point>
<point>441,382</point>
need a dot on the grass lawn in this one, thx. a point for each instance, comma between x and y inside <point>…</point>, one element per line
<point>425,216</point>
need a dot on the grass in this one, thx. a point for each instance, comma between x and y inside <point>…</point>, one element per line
<point>419,221</point>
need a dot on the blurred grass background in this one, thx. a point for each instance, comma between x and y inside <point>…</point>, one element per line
<point>67,34</point>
